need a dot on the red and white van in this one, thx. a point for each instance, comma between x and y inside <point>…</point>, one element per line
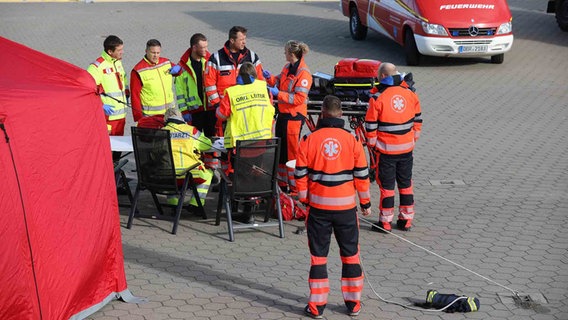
<point>446,28</point>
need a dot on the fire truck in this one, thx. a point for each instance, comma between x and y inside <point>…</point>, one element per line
<point>445,28</point>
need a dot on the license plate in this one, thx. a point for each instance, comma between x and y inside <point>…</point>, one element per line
<point>476,48</point>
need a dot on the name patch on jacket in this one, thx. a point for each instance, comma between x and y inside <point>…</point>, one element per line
<point>225,73</point>
<point>179,135</point>
<point>108,70</point>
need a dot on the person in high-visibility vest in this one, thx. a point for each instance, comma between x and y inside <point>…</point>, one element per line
<point>249,113</point>
<point>151,83</point>
<point>110,77</point>
<point>187,143</point>
<point>393,123</point>
<point>331,171</point>
<point>290,88</point>
<point>223,67</point>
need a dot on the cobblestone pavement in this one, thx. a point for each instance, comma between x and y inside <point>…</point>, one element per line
<point>490,170</point>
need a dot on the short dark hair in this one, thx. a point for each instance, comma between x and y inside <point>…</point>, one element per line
<point>111,42</point>
<point>247,69</point>
<point>236,29</point>
<point>153,43</point>
<point>196,38</point>
<point>331,106</point>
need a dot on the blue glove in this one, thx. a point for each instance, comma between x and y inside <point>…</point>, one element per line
<point>274,91</point>
<point>187,117</point>
<point>266,74</point>
<point>175,69</point>
<point>108,109</point>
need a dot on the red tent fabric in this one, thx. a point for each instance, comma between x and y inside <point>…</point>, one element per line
<point>61,253</point>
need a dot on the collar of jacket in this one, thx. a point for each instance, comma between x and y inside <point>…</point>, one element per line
<point>331,123</point>
<point>293,67</point>
<point>107,57</point>
<point>176,121</point>
<point>242,53</point>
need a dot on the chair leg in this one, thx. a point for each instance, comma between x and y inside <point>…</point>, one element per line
<point>126,185</point>
<point>157,203</point>
<point>220,202</point>
<point>279,211</point>
<point>179,208</point>
<point>133,208</point>
<point>198,200</point>
<point>229,216</point>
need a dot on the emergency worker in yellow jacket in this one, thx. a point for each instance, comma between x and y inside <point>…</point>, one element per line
<point>247,109</point>
<point>290,88</point>
<point>187,142</point>
<point>110,77</point>
<point>151,83</point>
<point>393,123</point>
<point>331,170</point>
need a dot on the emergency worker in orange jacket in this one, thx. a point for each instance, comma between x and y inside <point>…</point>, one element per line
<point>393,123</point>
<point>330,169</point>
<point>223,67</point>
<point>290,88</point>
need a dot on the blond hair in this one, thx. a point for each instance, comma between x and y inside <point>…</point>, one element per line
<point>297,48</point>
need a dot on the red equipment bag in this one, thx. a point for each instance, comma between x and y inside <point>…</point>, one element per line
<point>290,208</point>
<point>357,68</point>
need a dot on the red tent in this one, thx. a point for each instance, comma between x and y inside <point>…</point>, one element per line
<point>61,253</point>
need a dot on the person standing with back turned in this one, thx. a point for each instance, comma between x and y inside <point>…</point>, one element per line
<point>393,123</point>
<point>330,169</point>
<point>223,67</point>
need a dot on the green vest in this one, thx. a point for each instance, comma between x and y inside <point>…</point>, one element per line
<point>251,113</point>
<point>109,73</point>
<point>186,89</point>
<point>157,88</point>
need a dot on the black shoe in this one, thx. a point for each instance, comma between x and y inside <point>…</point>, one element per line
<point>122,191</point>
<point>403,224</point>
<point>384,225</point>
<point>309,313</point>
<point>246,218</point>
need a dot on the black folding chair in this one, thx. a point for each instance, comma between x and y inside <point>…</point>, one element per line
<point>157,174</point>
<point>252,187</point>
<point>121,180</point>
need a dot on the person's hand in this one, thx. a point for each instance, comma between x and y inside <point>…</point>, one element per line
<point>108,109</point>
<point>187,117</point>
<point>274,91</point>
<point>175,69</point>
<point>266,74</point>
<point>366,212</point>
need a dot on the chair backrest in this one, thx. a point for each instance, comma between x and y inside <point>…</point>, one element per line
<point>256,162</point>
<point>154,160</point>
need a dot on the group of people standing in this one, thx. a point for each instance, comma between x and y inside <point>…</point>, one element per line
<point>331,170</point>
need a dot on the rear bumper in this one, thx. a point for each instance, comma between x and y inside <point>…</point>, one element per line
<point>451,47</point>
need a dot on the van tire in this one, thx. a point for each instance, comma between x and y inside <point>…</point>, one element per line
<point>562,14</point>
<point>410,49</point>
<point>357,29</point>
<point>498,59</point>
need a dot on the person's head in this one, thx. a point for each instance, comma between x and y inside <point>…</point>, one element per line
<point>173,113</point>
<point>247,73</point>
<point>153,50</point>
<point>237,38</point>
<point>198,43</point>
<point>387,69</point>
<point>114,47</point>
<point>331,107</point>
<point>295,50</point>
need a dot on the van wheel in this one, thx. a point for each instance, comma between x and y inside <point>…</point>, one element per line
<point>357,29</point>
<point>498,59</point>
<point>412,54</point>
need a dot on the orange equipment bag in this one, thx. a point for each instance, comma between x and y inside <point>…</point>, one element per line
<point>357,68</point>
<point>290,208</point>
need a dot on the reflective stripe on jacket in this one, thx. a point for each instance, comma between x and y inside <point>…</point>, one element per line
<point>294,88</point>
<point>186,140</point>
<point>330,167</point>
<point>222,71</point>
<point>394,120</point>
<point>152,87</point>
<point>248,112</point>
<point>109,73</point>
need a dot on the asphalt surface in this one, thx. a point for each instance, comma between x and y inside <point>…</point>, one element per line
<point>490,172</point>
